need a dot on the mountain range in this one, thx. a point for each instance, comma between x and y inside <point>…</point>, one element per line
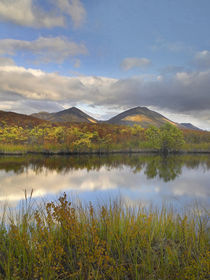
<point>138,115</point>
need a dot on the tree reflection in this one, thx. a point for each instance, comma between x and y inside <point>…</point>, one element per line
<point>165,168</point>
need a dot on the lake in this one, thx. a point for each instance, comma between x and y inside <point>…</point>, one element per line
<point>178,180</point>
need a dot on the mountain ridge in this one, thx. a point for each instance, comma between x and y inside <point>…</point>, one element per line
<point>23,120</point>
<point>137,115</point>
<point>190,126</point>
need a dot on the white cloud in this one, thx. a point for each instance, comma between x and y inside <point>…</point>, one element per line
<point>7,105</point>
<point>4,61</point>
<point>161,43</point>
<point>27,13</point>
<point>184,93</point>
<point>77,63</point>
<point>202,59</point>
<point>74,9</point>
<point>36,84</point>
<point>47,49</point>
<point>133,62</point>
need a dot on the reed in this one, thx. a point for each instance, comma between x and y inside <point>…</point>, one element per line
<point>59,240</point>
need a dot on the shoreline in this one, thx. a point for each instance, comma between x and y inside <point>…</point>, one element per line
<point>130,151</point>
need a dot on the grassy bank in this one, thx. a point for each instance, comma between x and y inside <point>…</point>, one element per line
<point>144,147</point>
<point>60,241</point>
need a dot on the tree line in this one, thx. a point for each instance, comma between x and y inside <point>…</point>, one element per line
<point>100,137</point>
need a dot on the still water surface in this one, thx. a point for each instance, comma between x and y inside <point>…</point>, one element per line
<point>151,179</point>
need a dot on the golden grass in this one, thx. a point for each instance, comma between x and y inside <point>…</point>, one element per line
<point>62,241</point>
<point>91,120</point>
<point>173,123</point>
<point>137,118</point>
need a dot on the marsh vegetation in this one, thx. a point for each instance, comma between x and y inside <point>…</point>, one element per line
<point>61,240</point>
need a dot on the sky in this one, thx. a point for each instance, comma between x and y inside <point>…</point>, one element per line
<point>106,56</point>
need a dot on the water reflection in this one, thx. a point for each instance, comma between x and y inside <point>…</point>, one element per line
<point>149,178</point>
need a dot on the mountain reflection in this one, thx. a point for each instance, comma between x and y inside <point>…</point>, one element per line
<point>155,166</point>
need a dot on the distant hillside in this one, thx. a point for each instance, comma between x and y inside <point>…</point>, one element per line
<point>41,115</point>
<point>12,119</point>
<point>190,126</point>
<point>142,116</point>
<point>72,114</point>
<point>139,115</point>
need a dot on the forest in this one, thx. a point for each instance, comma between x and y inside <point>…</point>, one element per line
<point>99,138</point>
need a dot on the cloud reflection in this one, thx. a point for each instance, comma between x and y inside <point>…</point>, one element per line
<point>149,179</point>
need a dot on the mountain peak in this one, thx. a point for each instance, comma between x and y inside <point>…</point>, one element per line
<point>72,114</point>
<point>142,116</point>
<point>75,109</point>
<point>72,109</point>
<point>138,108</point>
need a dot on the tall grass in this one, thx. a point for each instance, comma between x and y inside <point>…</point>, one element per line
<point>127,146</point>
<point>62,241</point>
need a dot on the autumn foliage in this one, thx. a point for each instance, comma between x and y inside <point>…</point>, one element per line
<point>77,138</point>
